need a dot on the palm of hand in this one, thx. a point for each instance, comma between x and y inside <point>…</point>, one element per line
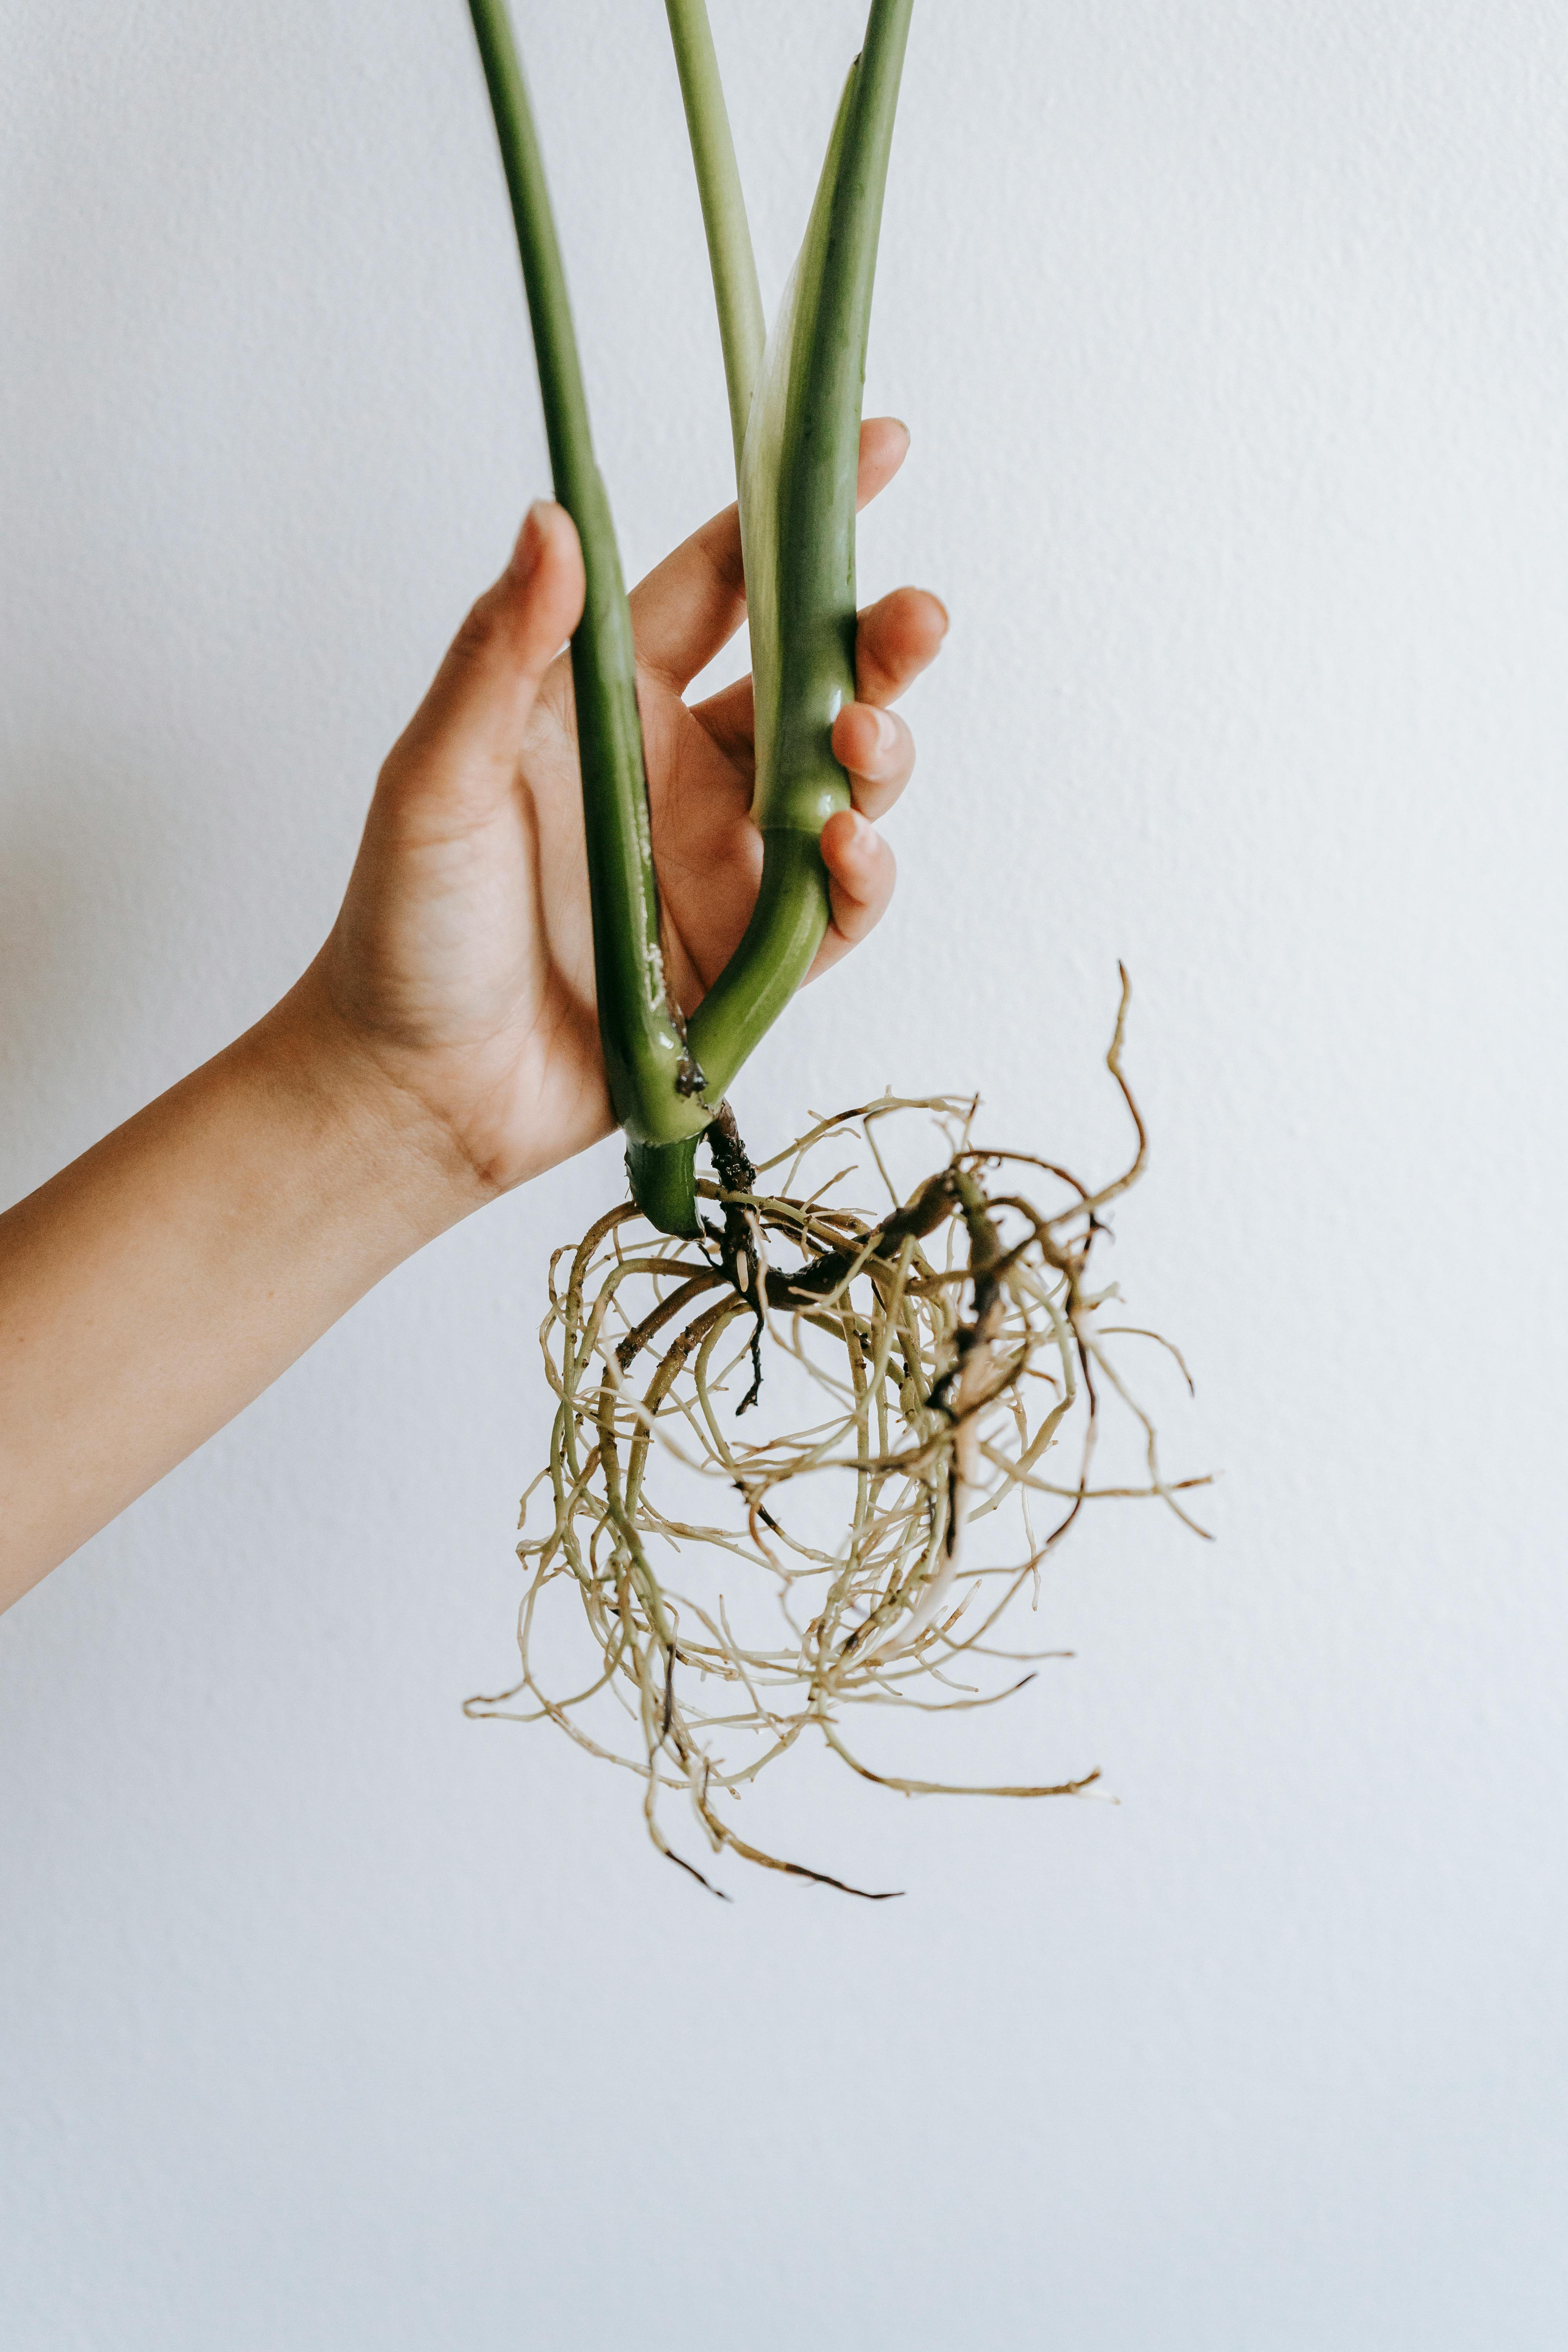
<point>462,960</point>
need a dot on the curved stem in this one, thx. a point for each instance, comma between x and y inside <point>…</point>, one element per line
<point>797,521</point>
<point>799,525</point>
<point>772,958</point>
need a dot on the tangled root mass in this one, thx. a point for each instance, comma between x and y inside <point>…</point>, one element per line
<point>863,1541</point>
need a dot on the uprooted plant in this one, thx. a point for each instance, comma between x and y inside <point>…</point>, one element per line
<point>942,1349</point>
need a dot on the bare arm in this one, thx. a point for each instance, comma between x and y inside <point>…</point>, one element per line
<point>156,1286</point>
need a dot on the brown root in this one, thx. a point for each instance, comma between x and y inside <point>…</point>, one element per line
<point>945,1347</point>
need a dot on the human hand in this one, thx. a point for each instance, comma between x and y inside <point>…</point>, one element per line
<point>460,972</point>
<point>442,1046</point>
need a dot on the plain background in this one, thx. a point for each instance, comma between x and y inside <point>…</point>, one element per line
<point>1234,339</point>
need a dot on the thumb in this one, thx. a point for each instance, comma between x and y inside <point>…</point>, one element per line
<point>467,733</point>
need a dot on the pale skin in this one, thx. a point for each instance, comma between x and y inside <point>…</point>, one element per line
<point>441,1049</point>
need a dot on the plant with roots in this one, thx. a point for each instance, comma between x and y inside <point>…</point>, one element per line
<point>737,1592</point>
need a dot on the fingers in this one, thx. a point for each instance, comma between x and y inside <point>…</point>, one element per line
<point>861,874</point>
<point>877,753</point>
<point>730,716</point>
<point>884,446</point>
<point>465,736</point>
<point>690,606</point>
<point>896,639</point>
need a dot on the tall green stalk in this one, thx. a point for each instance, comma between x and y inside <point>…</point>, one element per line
<point>742,329</point>
<point>651,1074</point>
<point>797,482</point>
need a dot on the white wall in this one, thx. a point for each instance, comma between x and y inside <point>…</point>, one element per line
<point>1234,337</point>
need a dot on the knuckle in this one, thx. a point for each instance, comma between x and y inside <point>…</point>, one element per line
<point>476,638</point>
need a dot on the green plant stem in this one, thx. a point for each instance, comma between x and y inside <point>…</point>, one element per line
<point>797,481</point>
<point>775,954</point>
<point>663,1179</point>
<point>737,297</point>
<point>796,422</point>
<point>651,1075</point>
<point>798,519</point>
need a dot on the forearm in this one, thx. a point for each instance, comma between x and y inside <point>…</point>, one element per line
<point>156,1286</point>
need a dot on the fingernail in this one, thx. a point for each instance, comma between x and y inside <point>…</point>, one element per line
<point>530,540</point>
<point>887,735</point>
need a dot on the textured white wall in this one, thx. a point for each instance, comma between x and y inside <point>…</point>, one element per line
<point>1233,338</point>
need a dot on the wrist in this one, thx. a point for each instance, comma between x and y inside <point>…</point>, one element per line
<point>369,1133</point>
